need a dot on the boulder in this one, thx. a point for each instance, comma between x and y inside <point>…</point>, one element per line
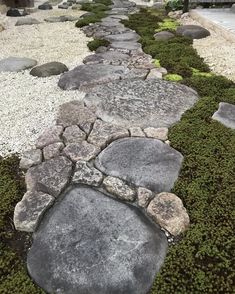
<point>45,6</point>
<point>13,12</point>
<point>192,31</point>
<point>163,36</point>
<point>225,114</point>
<point>27,21</point>
<point>16,64</point>
<point>49,69</point>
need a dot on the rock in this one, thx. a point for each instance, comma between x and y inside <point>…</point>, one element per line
<point>45,6</point>
<point>74,134</point>
<point>28,212</point>
<point>101,49</point>
<point>109,57</point>
<point>81,151</point>
<point>168,211</point>
<point>225,114</point>
<point>125,46</point>
<point>154,74</point>
<point>85,174</point>
<point>144,196</point>
<point>87,14</point>
<point>104,133</point>
<point>53,150</point>
<point>31,158</point>
<point>129,103</point>
<point>27,21</point>
<point>232,9</point>
<point>16,64</point>
<point>62,18</point>
<point>90,243</point>
<point>163,35</point>
<point>162,70</point>
<point>74,113</point>
<point>86,76</point>
<point>144,162</point>
<point>86,127</point>
<point>63,6</point>
<point>192,31</point>
<point>13,12</point>
<point>157,133</point>
<point>50,177</point>
<point>49,69</point>
<point>129,36</point>
<point>136,132</point>
<point>49,136</point>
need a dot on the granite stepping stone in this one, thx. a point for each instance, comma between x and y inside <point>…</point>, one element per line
<point>27,21</point>
<point>16,64</point>
<point>109,57</point>
<point>125,45</point>
<point>129,36</point>
<point>225,114</point>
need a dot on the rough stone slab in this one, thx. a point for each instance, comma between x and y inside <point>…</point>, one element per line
<point>136,132</point>
<point>144,196</point>
<point>86,127</point>
<point>157,133</point>
<point>87,76</point>
<point>53,150</point>
<point>192,31</point>
<point>145,162</point>
<point>27,21</point>
<point>30,209</point>
<point>225,114</point>
<point>74,113</point>
<point>90,243</point>
<point>49,69</point>
<point>74,134</point>
<point>49,136</point>
<point>85,174</point>
<point>81,151</point>
<point>129,103</point>
<point>16,64</point>
<point>109,57</point>
<point>103,133</point>
<point>169,212</point>
<point>125,45</point>
<point>129,36</point>
<point>49,177</point>
<point>31,158</point>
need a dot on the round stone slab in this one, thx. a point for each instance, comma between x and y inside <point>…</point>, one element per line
<point>144,162</point>
<point>91,243</point>
<point>153,102</point>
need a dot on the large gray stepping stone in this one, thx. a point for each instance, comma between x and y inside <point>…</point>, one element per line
<point>129,36</point>
<point>192,31</point>
<point>86,76</point>
<point>109,57</point>
<point>62,18</point>
<point>15,64</point>
<point>125,45</point>
<point>225,114</point>
<point>90,243</point>
<point>49,69</point>
<point>27,21</point>
<point>129,103</point>
<point>145,162</point>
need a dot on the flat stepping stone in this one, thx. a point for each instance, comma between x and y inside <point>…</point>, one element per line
<point>145,162</point>
<point>45,6</point>
<point>125,45</point>
<point>62,18</point>
<point>27,21</point>
<point>16,64</point>
<point>225,114</point>
<point>129,36</point>
<point>192,31</point>
<point>91,243</point>
<point>49,69</point>
<point>153,102</point>
<point>109,57</point>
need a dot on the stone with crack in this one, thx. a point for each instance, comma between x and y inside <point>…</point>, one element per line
<point>84,174</point>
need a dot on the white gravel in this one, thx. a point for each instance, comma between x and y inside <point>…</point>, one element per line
<point>28,104</point>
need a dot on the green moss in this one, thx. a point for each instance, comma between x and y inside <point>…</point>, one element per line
<point>96,43</point>
<point>157,63</point>
<point>168,24</point>
<point>173,77</point>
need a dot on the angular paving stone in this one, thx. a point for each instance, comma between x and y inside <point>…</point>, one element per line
<point>49,69</point>
<point>157,133</point>
<point>136,132</point>
<point>103,133</point>
<point>85,174</point>
<point>49,136</point>
<point>129,103</point>
<point>74,134</point>
<point>53,150</point>
<point>169,212</point>
<point>49,177</point>
<point>31,158</point>
<point>86,127</point>
<point>192,31</point>
<point>91,243</point>
<point>130,37</point>
<point>225,114</point>
<point>144,162</point>
<point>86,76</point>
<point>81,151</point>
<point>27,21</point>
<point>144,196</point>
<point>16,64</point>
<point>109,57</point>
<point>29,211</point>
<point>125,45</point>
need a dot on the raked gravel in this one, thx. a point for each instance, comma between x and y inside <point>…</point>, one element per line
<point>28,104</point>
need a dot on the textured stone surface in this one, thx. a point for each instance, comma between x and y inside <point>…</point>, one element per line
<point>192,31</point>
<point>15,64</point>
<point>30,158</point>
<point>154,74</point>
<point>157,133</point>
<point>27,21</point>
<point>129,36</point>
<point>136,132</point>
<point>85,174</point>
<point>169,212</point>
<point>13,12</point>
<point>109,57</point>
<point>225,114</point>
<point>155,103</point>
<point>49,136</point>
<point>53,150</point>
<point>81,151</point>
<point>90,243</point>
<point>30,209</point>
<point>103,133</point>
<point>163,35</point>
<point>125,45</point>
<point>49,177</point>
<point>142,161</point>
<point>49,69</point>
<point>74,134</point>
<point>45,6</point>
<point>62,18</point>
<point>144,196</point>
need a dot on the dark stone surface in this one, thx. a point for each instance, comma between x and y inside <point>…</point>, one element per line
<point>144,162</point>
<point>49,69</point>
<point>192,31</point>
<point>225,115</point>
<point>13,12</point>
<point>45,6</point>
<point>91,244</point>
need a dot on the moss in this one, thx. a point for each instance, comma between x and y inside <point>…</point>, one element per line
<point>173,77</point>
<point>157,63</point>
<point>168,24</point>
<point>96,43</point>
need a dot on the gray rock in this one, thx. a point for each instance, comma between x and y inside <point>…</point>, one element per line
<point>125,45</point>
<point>27,21</point>
<point>50,177</point>
<point>86,127</point>
<point>154,74</point>
<point>62,18</point>
<point>31,158</point>
<point>53,150</point>
<point>86,76</point>
<point>144,162</point>
<point>101,49</point>
<point>129,36</point>
<point>90,243</point>
<point>225,114</point>
<point>155,103</point>
<point>232,9</point>
<point>16,64</point>
<point>168,211</point>
<point>157,133</point>
<point>74,113</point>
<point>74,134</point>
<point>192,31</point>
<point>13,12</point>
<point>45,6</point>
<point>136,132</point>
<point>104,133</point>
<point>81,151</point>
<point>163,35</point>
<point>144,196</point>
<point>109,57</point>
<point>49,69</point>
<point>29,211</point>
<point>85,174</point>
<point>63,6</point>
<point>49,136</point>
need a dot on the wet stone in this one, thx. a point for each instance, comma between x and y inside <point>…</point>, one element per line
<point>81,151</point>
